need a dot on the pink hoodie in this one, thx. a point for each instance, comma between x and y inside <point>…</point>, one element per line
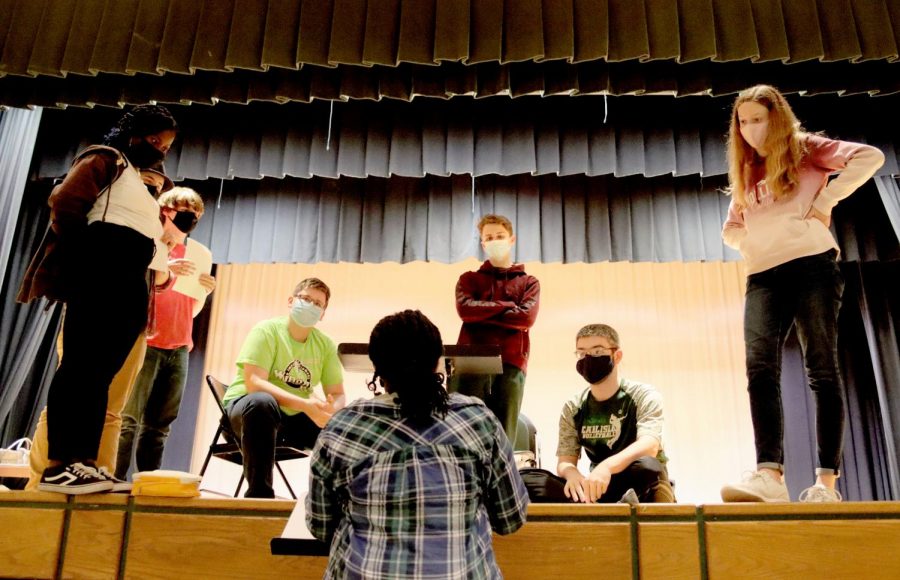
<point>768,233</point>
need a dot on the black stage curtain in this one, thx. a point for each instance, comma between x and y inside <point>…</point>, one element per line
<point>562,219</point>
<point>27,332</point>
<point>869,333</point>
<point>620,136</point>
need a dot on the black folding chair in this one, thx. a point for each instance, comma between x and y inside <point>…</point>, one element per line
<point>527,440</point>
<point>229,448</point>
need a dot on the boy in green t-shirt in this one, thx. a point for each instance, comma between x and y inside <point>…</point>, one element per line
<point>271,398</point>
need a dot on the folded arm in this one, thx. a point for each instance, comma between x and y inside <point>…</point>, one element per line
<point>524,314</point>
<point>471,309</point>
<point>734,230</point>
<point>257,381</point>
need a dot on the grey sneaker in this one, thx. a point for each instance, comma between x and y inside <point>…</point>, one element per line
<point>119,485</point>
<point>757,486</point>
<point>820,494</point>
<point>630,497</point>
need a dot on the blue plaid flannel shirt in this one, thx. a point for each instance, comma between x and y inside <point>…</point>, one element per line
<point>396,501</point>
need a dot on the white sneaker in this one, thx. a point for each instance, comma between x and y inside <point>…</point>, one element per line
<point>757,486</point>
<point>820,494</point>
<point>119,485</point>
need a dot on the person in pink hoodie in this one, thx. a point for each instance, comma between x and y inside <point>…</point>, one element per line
<point>779,217</point>
<point>498,304</point>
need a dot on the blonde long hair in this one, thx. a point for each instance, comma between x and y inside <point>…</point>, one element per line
<point>785,146</point>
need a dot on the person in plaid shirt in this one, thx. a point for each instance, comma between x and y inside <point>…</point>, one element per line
<point>410,483</point>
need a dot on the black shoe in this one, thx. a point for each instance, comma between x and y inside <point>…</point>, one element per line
<point>119,485</point>
<point>74,479</point>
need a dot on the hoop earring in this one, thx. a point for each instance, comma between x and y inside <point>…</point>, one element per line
<point>373,386</point>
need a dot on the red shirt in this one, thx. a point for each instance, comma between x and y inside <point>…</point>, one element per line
<point>174,315</point>
<point>499,306</point>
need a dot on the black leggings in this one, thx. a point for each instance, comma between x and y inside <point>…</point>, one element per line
<point>106,312</point>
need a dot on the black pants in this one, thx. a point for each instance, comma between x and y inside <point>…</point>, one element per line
<point>501,393</point>
<point>805,293</point>
<point>642,476</point>
<point>258,422</point>
<point>106,311</point>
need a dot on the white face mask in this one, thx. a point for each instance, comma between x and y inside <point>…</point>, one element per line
<point>305,313</point>
<point>755,134</point>
<point>497,249</point>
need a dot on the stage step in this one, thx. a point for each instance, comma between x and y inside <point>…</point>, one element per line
<point>45,535</point>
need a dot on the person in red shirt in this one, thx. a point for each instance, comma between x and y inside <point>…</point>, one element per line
<point>498,304</point>
<point>156,397</point>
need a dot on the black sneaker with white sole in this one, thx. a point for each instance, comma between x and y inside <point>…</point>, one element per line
<point>119,485</point>
<point>74,479</point>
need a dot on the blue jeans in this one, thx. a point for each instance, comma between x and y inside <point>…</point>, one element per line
<point>151,409</point>
<point>501,393</point>
<point>805,293</point>
<point>259,424</point>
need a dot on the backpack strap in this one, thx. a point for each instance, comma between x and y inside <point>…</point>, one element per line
<point>121,164</point>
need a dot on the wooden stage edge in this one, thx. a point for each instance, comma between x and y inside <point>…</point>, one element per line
<point>44,535</point>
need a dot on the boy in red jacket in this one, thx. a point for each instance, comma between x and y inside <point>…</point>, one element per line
<point>498,304</point>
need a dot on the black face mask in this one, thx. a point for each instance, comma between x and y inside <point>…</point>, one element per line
<point>144,155</point>
<point>185,221</point>
<point>595,368</point>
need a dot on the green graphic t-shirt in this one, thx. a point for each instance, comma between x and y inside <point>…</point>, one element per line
<point>604,428</point>
<point>296,367</point>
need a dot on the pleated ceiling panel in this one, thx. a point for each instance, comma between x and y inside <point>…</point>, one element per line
<point>61,37</point>
<point>406,82</point>
<point>618,136</point>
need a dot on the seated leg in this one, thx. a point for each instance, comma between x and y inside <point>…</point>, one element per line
<point>255,419</point>
<point>649,479</point>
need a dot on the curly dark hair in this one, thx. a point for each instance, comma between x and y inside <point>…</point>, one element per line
<point>405,348</point>
<point>140,121</point>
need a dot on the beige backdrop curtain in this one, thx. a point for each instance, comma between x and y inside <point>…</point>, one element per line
<point>680,327</point>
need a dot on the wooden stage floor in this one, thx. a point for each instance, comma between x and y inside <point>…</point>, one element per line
<point>44,535</point>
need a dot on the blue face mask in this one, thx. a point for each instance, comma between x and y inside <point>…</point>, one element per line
<point>305,313</point>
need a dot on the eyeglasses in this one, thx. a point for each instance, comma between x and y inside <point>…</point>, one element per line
<point>596,351</point>
<point>310,300</point>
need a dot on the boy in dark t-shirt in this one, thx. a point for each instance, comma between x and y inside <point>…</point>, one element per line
<point>617,422</point>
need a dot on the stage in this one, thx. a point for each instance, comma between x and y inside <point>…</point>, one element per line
<point>44,535</point>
